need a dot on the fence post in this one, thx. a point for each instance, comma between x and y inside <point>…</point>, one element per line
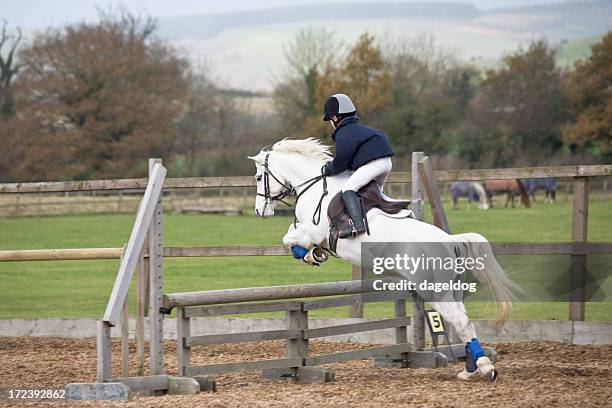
<point>119,202</point>
<point>142,287</point>
<point>183,330</point>
<point>296,320</point>
<point>125,339</point>
<point>103,352</point>
<point>579,234</point>
<point>125,332</point>
<point>156,285</point>
<point>356,310</point>
<point>437,210</point>
<point>66,197</point>
<point>418,314</point>
<point>433,195</point>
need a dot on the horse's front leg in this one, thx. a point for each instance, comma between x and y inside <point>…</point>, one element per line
<point>305,234</point>
<point>297,236</point>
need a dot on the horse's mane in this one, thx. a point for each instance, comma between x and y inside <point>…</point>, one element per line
<point>310,147</point>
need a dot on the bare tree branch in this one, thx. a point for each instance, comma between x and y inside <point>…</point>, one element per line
<point>8,68</point>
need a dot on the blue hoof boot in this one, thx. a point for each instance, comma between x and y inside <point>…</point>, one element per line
<point>473,351</point>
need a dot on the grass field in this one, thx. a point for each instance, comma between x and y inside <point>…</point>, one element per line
<point>81,288</point>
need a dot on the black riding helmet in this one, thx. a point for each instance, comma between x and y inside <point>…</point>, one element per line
<point>338,104</point>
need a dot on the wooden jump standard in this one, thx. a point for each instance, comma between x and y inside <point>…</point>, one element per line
<point>297,363</point>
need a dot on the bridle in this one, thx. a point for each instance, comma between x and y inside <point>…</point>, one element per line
<point>289,190</point>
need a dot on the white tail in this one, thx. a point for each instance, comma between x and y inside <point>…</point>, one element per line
<point>492,276</point>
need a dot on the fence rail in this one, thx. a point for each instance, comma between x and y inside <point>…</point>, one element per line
<point>249,181</point>
<point>76,254</point>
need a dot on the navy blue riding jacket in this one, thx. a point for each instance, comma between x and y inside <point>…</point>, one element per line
<point>356,144</point>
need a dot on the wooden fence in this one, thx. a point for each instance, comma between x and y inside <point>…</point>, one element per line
<point>578,249</point>
<point>422,179</point>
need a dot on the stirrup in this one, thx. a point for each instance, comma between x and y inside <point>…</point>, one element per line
<point>354,231</point>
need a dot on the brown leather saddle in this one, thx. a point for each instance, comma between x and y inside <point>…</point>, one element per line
<point>370,197</point>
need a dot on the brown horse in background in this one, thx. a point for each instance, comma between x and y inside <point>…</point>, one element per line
<point>511,188</point>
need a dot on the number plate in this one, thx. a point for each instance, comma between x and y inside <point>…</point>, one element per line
<point>435,322</point>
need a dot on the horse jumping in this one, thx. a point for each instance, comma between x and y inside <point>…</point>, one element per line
<point>511,188</point>
<point>293,167</point>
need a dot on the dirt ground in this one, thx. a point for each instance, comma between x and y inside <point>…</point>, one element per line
<point>531,374</point>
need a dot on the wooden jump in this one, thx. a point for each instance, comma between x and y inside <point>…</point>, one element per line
<point>213,297</point>
<point>297,364</point>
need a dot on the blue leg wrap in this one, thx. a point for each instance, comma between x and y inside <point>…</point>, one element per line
<point>475,349</point>
<point>299,252</point>
<point>473,352</point>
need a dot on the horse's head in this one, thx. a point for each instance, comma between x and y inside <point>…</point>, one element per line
<point>271,184</point>
<point>286,165</point>
<point>525,199</point>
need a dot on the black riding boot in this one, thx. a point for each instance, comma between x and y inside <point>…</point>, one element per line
<point>353,208</point>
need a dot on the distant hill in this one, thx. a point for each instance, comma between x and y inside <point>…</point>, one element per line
<point>571,51</point>
<point>245,48</point>
<point>207,26</point>
<point>556,21</point>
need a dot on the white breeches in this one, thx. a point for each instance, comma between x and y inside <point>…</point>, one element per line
<point>377,170</point>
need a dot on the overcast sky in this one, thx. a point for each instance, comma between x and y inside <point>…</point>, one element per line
<point>42,13</point>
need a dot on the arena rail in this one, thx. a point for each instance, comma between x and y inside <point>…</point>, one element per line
<point>249,181</point>
<point>79,254</point>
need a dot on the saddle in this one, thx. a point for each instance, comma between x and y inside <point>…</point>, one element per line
<point>370,197</point>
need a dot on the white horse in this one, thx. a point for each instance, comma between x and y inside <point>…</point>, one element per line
<point>291,166</point>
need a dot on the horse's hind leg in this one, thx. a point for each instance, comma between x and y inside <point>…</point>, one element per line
<point>455,314</point>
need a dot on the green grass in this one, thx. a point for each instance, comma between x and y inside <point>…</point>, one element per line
<point>81,288</point>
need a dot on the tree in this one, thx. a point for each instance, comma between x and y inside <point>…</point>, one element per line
<point>588,90</point>
<point>429,91</point>
<point>362,76</point>
<point>101,97</point>
<point>217,130</point>
<point>296,94</point>
<point>198,123</point>
<point>523,101</point>
<point>8,69</point>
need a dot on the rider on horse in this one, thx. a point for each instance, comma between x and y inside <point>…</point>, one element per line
<point>362,149</point>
